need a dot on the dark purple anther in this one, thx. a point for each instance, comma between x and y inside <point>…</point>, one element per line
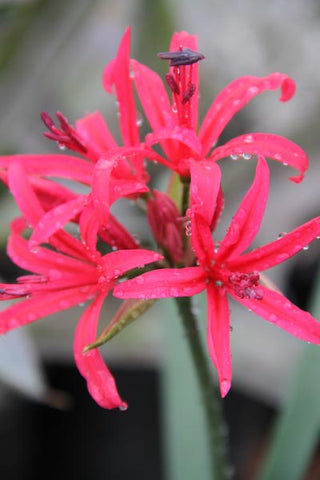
<point>185,56</point>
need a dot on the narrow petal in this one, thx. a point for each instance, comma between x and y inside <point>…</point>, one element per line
<point>185,136</point>
<point>218,336</point>
<point>117,73</point>
<point>204,188</point>
<point>56,219</point>
<point>121,261</point>
<point>41,260</point>
<point>167,282</point>
<point>23,193</point>
<point>234,97</point>
<point>54,165</point>
<point>204,192</point>
<point>155,103</point>
<point>41,305</point>
<point>184,39</point>
<point>268,145</point>
<point>277,309</point>
<point>279,250</point>
<point>153,96</point>
<point>100,381</point>
<point>246,222</point>
<point>96,134</point>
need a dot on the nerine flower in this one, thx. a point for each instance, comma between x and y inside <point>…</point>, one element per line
<point>61,279</point>
<point>223,269</point>
<point>175,123</point>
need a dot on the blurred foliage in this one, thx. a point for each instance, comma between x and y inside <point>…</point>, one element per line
<point>14,21</point>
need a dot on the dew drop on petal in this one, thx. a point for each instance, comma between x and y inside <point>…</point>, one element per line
<point>306,247</point>
<point>281,235</point>
<point>234,156</point>
<point>246,156</point>
<point>248,139</point>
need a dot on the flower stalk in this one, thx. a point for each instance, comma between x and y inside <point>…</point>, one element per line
<point>212,404</point>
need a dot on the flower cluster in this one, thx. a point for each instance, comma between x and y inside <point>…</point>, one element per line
<point>64,269</point>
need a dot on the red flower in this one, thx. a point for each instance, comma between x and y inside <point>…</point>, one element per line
<point>224,269</point>
<point>174,123</point>
<point>62,279</point>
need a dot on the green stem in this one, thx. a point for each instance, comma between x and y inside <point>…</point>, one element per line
<point>220,466</point>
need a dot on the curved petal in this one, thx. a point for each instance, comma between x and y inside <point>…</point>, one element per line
<point>279,250</point>
<point>204,188</point>
<point>234,97</point>
<point>121,261</point>
<point>94,130</point>
<point>277,309</point>
<point>204,191</point>
<point>155,102</point>
<point>218,336</point>
<point>268,145</point>
<point>185,136</point>
<point>23,193</point>
<point>153,96</point>
<point>246,222</point>
<point>167,282</point>
<point>41,305</point>
<point>56,219</point>
<point>100,381</point>
<point>42,260</point>
<point>117,73</point>
<point>55,165</point>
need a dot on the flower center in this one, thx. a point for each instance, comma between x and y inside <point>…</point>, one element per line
<point>179,80</point>
<point>245,285</point>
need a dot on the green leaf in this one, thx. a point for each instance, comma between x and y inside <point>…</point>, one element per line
<point>129,311</point>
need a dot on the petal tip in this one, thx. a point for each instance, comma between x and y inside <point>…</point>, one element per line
<point>224,387</point>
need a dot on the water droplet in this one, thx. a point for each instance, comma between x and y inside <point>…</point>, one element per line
<point>253,90</point>
<point>246,156</point>
<point>281,235</point>
<point>318,237</point>
<point>219,283</point>
<point>61,146</point>
<point>123,408</point>
<point>234,156</point>
<point>248,139</point>
<point>306,247</point>
<point>284,164</point>
<point>216,247</point>
<point>139,120</point>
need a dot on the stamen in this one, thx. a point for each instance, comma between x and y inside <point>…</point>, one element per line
<point>188,93</point>
<point>185,56</point>
<point>172,84</point>
<point>245,285</point>
<point>66,136</point>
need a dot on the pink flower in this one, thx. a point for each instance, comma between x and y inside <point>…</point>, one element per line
<point>174,123</point>
<point>223,269</point>
<point>63,278</point>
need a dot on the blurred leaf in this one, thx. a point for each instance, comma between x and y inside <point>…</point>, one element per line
<point>296,432</point>
<point>185,434</point>
<point>15,19</point>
